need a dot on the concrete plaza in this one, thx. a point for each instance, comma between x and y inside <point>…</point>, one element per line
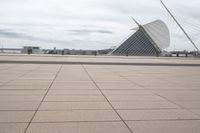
<point>81,98</point>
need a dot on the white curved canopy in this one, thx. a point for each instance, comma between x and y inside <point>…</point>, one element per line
<point>159,32</point>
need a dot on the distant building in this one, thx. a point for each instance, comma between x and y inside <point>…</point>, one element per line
<point>31,50</point>
<point>148,40</point>
<point>79,52</point>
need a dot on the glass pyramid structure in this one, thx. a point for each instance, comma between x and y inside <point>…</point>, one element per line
<point>148,40</point>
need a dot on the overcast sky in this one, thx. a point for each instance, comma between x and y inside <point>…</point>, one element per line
<point>91,24</point>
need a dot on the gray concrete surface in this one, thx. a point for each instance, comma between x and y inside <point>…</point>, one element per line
<point>57,98</point>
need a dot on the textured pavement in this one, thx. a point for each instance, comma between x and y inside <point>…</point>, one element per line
<point>56,98</point>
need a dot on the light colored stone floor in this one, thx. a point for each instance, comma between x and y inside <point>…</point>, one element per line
<point>36,98</point>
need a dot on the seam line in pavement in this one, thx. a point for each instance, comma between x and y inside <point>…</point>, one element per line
<point>42,99</point>
<point>107,99</point>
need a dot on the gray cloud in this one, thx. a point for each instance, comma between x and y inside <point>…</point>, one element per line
<point>87,31</point>
<point>15,35</point>
<point>10,34</point>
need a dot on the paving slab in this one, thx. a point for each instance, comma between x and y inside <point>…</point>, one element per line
<point>118,85</point>
<point>13,105</point>
<point>74,92</point>
<point>21,92</point>
<point>134,98</point>
<point>127,92</point>
<point>180,97</point>
<point>12,127</point>
<point>180,126</point>
<point>163,114</point>
<point>75,106</point>
<point>76,116</point>
<point>196,111</point>
<point>127,105</point>
<point>75,98</point>
<point>78,127</point>
<point>24,87</point>
<point>16,116</point>
<point>73,86</point>
<point>27,98</point>
<point>30,82</point>
<point>172,88</point>
<point>189,104</point>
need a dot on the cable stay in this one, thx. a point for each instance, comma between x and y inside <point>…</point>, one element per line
<point>186,34</point>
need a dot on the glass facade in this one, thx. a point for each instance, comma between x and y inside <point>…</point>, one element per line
<point>145,42</point>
